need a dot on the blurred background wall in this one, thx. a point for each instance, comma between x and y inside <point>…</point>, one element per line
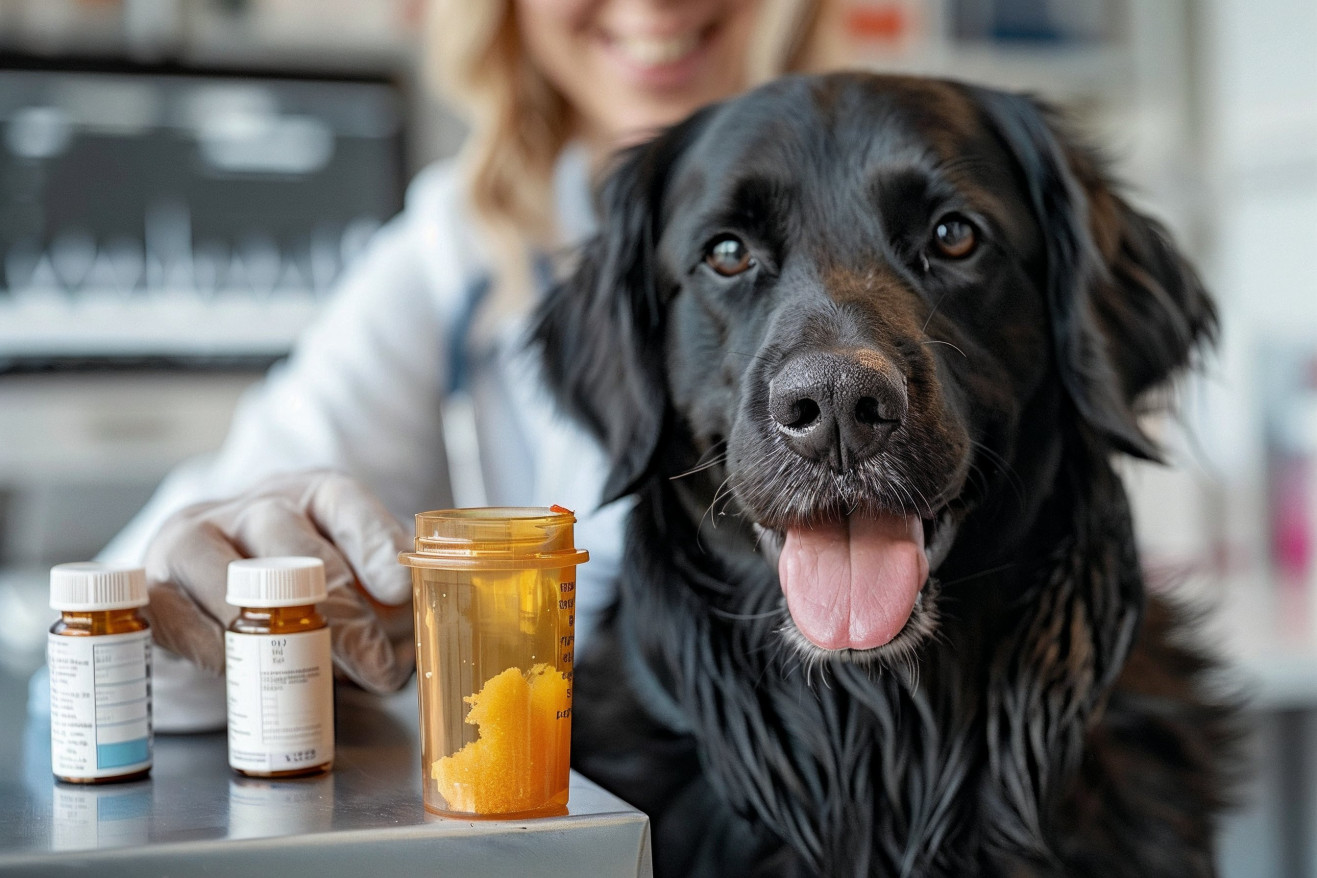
<point>181,181</point>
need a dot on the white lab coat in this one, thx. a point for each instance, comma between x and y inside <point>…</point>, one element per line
<point>365,389</point>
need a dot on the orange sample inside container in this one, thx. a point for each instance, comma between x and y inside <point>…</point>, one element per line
<point>508,769</point>
<point>494,593</point>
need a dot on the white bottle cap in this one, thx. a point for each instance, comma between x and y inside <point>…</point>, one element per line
<point>276,582</point>
<point>90,586</point>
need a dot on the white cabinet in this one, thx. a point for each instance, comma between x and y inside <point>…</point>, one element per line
<point>80,453</point>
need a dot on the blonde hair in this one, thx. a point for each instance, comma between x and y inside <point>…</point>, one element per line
<point>519,123</point>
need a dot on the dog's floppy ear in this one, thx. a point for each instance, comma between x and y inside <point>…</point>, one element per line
<point>1127,310</point>
<point>601,330</point>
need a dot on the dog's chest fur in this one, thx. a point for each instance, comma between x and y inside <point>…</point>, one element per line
<point>957,765</point>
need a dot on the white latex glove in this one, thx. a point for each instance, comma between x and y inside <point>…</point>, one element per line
<point>317,513</point>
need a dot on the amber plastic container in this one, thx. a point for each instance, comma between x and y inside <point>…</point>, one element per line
<point>494,593</point>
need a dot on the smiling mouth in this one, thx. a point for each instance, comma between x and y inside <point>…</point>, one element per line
<point>654,51</point>
<point>659,57</point>
<point>853,585</point>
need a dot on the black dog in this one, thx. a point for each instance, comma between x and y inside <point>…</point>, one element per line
<point>864,348</point>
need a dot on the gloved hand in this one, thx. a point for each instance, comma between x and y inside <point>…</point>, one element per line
<point>317,513</point>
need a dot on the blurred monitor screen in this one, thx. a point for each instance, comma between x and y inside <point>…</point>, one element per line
<point>184,217</point>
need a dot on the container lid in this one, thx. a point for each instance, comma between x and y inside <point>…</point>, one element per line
<point>92,585</point>
<point>276,582</point>
<point>495,538</point>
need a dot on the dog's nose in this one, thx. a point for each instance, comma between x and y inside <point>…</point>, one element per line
<point>837,407</point>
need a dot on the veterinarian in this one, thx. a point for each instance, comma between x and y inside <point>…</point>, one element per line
<point>416,370</point>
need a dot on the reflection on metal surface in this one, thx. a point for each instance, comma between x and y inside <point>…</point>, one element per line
<point>83,818</point>
<point>262,808</point>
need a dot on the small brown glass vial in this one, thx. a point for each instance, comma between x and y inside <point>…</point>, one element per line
<point>99,659</point>
<point>279,673</point>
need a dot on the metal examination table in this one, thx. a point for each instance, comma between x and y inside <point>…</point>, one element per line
<point>195,817</point>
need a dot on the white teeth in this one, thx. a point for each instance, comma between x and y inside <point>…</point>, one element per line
<point>657,51</point>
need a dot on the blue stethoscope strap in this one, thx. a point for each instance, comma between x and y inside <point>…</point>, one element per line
<point>459,335</point>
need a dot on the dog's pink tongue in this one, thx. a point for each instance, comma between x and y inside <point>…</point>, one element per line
<point>852,584</point>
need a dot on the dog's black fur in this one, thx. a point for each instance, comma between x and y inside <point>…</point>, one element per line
<point>1039,714</point>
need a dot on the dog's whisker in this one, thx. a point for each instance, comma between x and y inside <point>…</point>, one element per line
<point>701,464</point>
<point>754,356</point>
<point>977,475</point>
<point>911,662</point>
<point>1008,471</point>
<point>929,318</point>
<point>725,494</point>
<point>900,485</point>
<point>743,617</point>
<point>929,507</point>
<point>980,574</point>
<point>780,656</point>
<point>909,498</point>
<point>947,343</point>
<point>699,468</point>
<point>710,513</point>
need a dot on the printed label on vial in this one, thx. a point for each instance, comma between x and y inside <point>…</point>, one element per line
<point>100,704</point>
<point>281,700</point>
<point>567,610</point>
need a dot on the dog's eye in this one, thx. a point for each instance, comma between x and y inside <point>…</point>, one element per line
<point>954,237</point>
<point>728,255</point>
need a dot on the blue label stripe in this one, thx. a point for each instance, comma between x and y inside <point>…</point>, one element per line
<point>122,753</point>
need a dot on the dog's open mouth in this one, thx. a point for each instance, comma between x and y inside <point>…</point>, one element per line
<point>852,584</point>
